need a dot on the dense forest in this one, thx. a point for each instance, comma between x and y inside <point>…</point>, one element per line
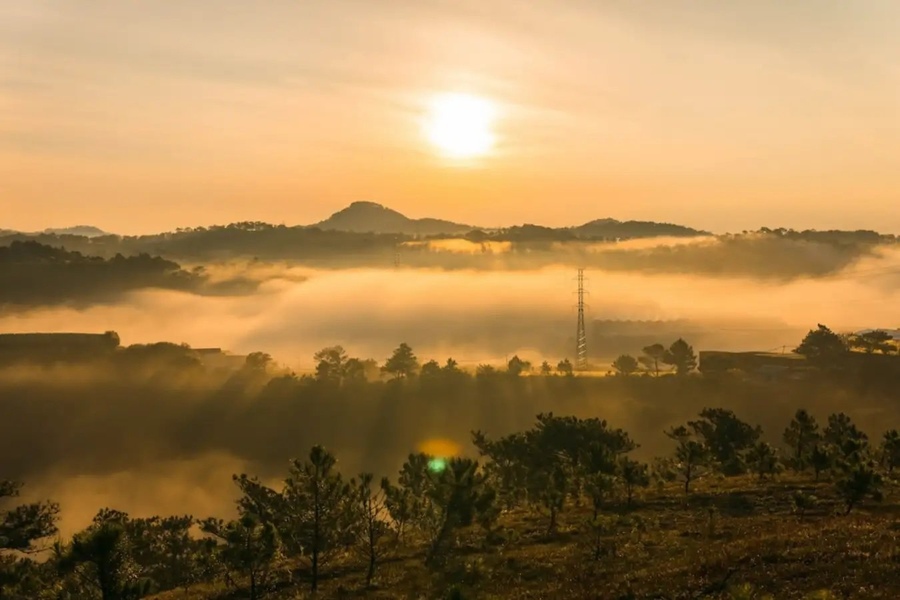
<point>36,274</point>
<point>719,482</point>
<point>33,273</point>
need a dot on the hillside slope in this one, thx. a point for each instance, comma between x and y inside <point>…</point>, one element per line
<point>369,217</point>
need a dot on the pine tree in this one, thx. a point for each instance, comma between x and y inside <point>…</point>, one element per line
<point>316,509</point>
<point>801,435</point>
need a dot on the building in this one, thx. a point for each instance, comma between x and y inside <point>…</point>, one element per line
<point>216,358</point>
<point>764,365</point>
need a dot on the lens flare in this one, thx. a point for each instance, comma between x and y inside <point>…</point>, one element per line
<point>437,465</point>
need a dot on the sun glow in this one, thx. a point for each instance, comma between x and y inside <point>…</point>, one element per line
<point>460,125</point>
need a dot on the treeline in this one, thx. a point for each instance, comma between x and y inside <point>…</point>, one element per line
<point>34,273</point>
<point>161,396</point>
<point>290,535</point>
<point>158,401</point>
<point>871,358</point>
<point>781,254</point>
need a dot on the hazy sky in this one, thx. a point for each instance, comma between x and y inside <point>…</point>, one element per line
<point>146,116</point>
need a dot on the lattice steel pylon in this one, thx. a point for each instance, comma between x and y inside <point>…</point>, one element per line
<point>581,358</point>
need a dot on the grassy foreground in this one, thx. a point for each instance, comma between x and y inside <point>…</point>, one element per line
<point>737,538</point>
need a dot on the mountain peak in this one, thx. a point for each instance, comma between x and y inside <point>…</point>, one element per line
<point>363,216</point>
<point>364,204</point>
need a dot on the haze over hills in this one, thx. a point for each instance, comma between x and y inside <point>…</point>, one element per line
<point>82,230</point>
<point>370,217</point>
<point>85,230</point>
<point>629,229</point>
<point>366,234</point>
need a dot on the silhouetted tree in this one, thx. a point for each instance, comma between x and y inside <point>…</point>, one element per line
<point>249,547</point>
<point>331,364</point>
<point>177,558</point>
<point>625,365</point>
<point>516,366</point>
<point>822,347</point>
<point>565,367</point>
<point>315,500</point>
<point>546,369</point>
<point>890,450</point>
<point>871,341</point>
<point>402,363</point>
<point>485,371</point>
<point>23,525</point>
<point>726,436</point>
<point>163,550</point>
<point>599,486</point>
<point>458,496</point>
<point>848,441</point>
<point>407,502</point>
<point>653,355</point>
<point>258,361</point>
<point>692,456</point>
<point>369,510</point>
<point>821,459</point>
<point>550,462</point>
<point>859,481</point>
<point>508,466</point>
<point>803,503</point>
<point>20,528</point>
<point>357,370</point>
<point>451,367</point>
<point>681,356</point>
<point>548,487</point>
<point>431,370</point>
<point>401,504</point>
<point>100,557</point>
<point>763,459</point>
<point>801,435</point>
<point>632,475</point>
<point>600,528</point>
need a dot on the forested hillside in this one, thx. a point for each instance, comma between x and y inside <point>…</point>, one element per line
<point>768,254</point>
<point>32,273</point>
<point>729,484</point>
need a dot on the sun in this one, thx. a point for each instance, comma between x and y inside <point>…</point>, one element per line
<point>460,125</point>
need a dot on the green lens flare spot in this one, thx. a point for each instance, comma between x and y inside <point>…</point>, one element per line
<point>437,465</point>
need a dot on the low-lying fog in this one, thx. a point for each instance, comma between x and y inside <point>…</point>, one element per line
<point>474,316</point>
<point>479,316</point>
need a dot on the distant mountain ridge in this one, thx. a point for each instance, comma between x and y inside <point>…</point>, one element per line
<point>82,230</point>
<point>370,217</point>
<point>85,230</point>
<point>611,228</point>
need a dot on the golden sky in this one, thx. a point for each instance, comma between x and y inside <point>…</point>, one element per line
<point>146,116</point>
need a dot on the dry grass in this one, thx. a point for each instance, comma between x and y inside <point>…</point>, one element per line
<point>668,546</point>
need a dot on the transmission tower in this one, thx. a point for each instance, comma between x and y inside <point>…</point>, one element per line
<point>581,360</point>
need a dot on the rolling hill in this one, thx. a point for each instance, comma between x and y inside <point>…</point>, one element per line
<point>88,231</point>
<point>369,217</point>
<point>611,228</point>
<point>84,230</point>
